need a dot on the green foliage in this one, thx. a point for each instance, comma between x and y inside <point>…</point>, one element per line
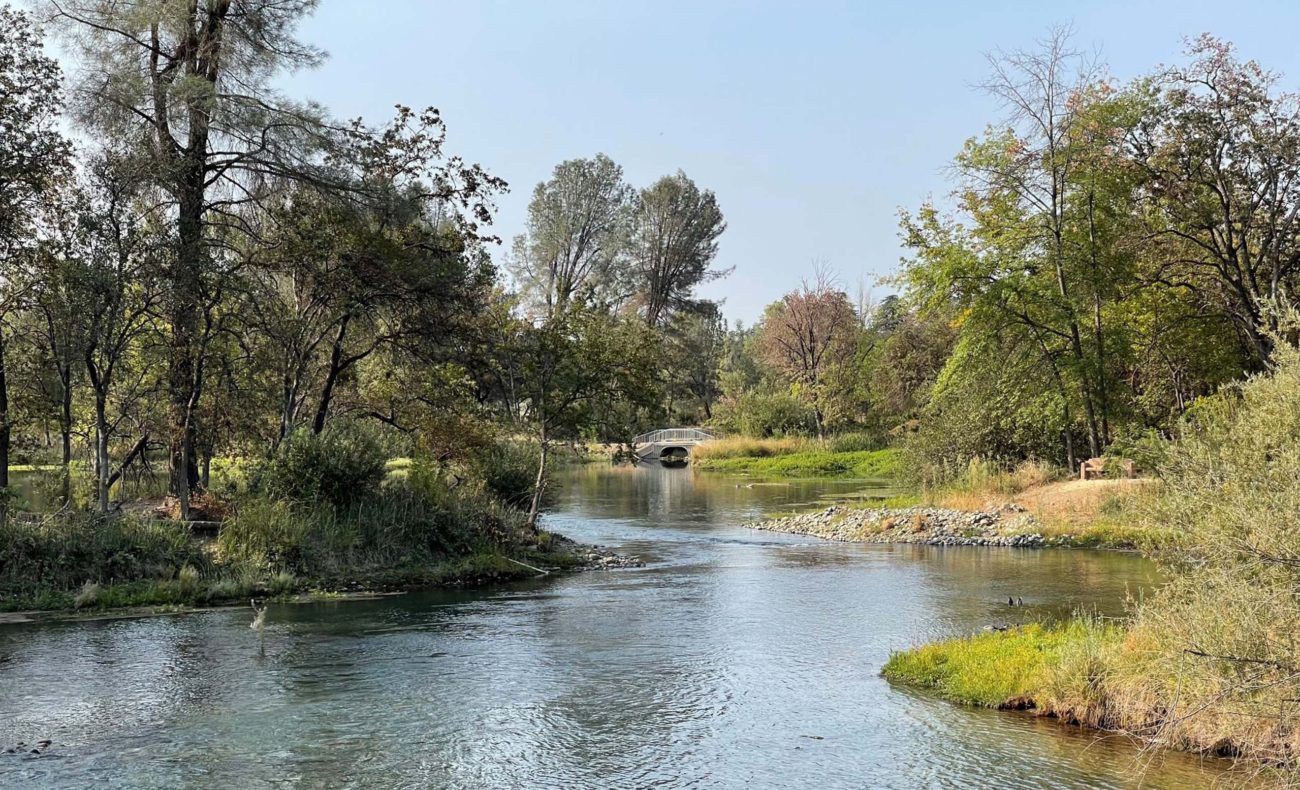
<point>65,550</point>
<point>766,413</point>
<point>342,465</point>
<point>810,463</point>
<point>855,442</point>
<point>419,520</point>
<point>508,469</point>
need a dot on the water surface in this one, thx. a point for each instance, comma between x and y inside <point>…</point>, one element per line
<point>736,658</point>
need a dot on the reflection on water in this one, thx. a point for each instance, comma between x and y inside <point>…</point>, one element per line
<point>736,658</point>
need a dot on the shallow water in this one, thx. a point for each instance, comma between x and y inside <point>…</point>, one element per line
<point>737,658</point>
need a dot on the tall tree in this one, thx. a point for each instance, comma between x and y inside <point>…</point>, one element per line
<point>577,230</point>
<point>696,345</point>
<point>1032,169</point>
<point>1221,156</point>
<point>187,86</point>
<point>674,241</point>
<point>34,158</point>
<point>811,337</point>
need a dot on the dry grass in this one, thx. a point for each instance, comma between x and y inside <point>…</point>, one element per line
<point>739,447</point>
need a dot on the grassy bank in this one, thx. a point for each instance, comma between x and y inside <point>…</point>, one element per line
<point>329,513</point>
<point>795,458</point>
<point>1208,663</point>
<point>85,562</point>
<point>1049,669</point>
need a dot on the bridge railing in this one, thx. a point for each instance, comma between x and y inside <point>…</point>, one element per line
<point>673,435</point>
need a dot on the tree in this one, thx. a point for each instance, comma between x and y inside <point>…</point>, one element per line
<point>811,337</point>
<point>342,280</point>
<point>675,234</point>
<point>1221,161</point>
<point>1030,174</point>
<point>568,373</point>
<point>695,349</point>
<point>34,158</point>
<point>118,274</point>
<point>187,85</point>
<point>577,231</point>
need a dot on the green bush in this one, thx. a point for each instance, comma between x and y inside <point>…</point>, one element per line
<point>855,443</point>
<point>508,470</point>
<point>341,465</point>
<point>416,520</point>
<point>66,550</point>
<point>766,414</point>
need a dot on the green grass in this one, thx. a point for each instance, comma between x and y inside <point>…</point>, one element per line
<point>1029,666</point>
<point>808,463</point>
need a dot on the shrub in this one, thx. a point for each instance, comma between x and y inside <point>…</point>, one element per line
<point>856,443</point>
<point>416,520</point>
<point>766,414</point>
<point>341,465</point>
<point>508,470</point>
<point>66,550</point>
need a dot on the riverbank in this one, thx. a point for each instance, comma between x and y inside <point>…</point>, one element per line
<point>188,591</point>
<point>1094,674</point>
<point>1011,524</point>
<point>795,458</point>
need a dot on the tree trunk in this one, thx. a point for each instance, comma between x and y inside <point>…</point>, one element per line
<point>331,378</point>
<point>5,432</point>
<point>185,287</point>
<point>65,432</point>
<point>101,453</point>
<point>535,506</point>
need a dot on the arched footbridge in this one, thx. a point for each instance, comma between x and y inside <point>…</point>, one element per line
<point>669,444</point>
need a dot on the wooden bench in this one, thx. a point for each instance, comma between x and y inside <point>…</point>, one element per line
<point>1095,468</point>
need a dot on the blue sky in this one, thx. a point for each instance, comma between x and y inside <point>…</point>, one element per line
<point>814,122</point>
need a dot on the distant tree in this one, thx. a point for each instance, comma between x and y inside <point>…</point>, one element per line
<point>696,345</point>
<point>577,230</point>
<point>569,373</point>
<point>34,158</point>
<point>907,362</point>
<point>811,338</point>
<point>674,241</point>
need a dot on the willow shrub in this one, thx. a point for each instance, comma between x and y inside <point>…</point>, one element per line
<point>414,520</point>
<point>1218,648</point>
<point>341,465</point>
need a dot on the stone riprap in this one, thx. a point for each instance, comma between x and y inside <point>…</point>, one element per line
<point>1009,526</point>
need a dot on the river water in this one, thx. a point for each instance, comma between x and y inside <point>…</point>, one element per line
<point>735,659</point>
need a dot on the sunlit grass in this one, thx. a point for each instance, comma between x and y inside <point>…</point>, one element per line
<point>1030,666</point>
<point>807,463</point>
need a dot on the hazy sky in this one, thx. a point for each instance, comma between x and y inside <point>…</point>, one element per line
<point>814,122</point>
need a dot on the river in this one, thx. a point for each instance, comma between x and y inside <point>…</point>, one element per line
<point>734,659</point>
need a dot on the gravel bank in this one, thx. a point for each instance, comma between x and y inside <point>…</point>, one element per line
<point>1010,526</point>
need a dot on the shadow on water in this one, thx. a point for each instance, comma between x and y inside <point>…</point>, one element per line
<point>735,658</point>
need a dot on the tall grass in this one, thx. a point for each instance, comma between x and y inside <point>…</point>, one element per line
<point>741,447</point>
<point>1034,666</point>
<point>67,550</point>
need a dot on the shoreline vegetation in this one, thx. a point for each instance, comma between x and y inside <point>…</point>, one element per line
<point>1031,505</point>
<point>1206,664</point>
<point>329,514</point>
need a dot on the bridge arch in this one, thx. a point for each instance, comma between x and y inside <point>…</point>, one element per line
<point>669,445</point>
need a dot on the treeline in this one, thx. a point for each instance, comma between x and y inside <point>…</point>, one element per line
<point>1112,252</point>
<point>214,269</point>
